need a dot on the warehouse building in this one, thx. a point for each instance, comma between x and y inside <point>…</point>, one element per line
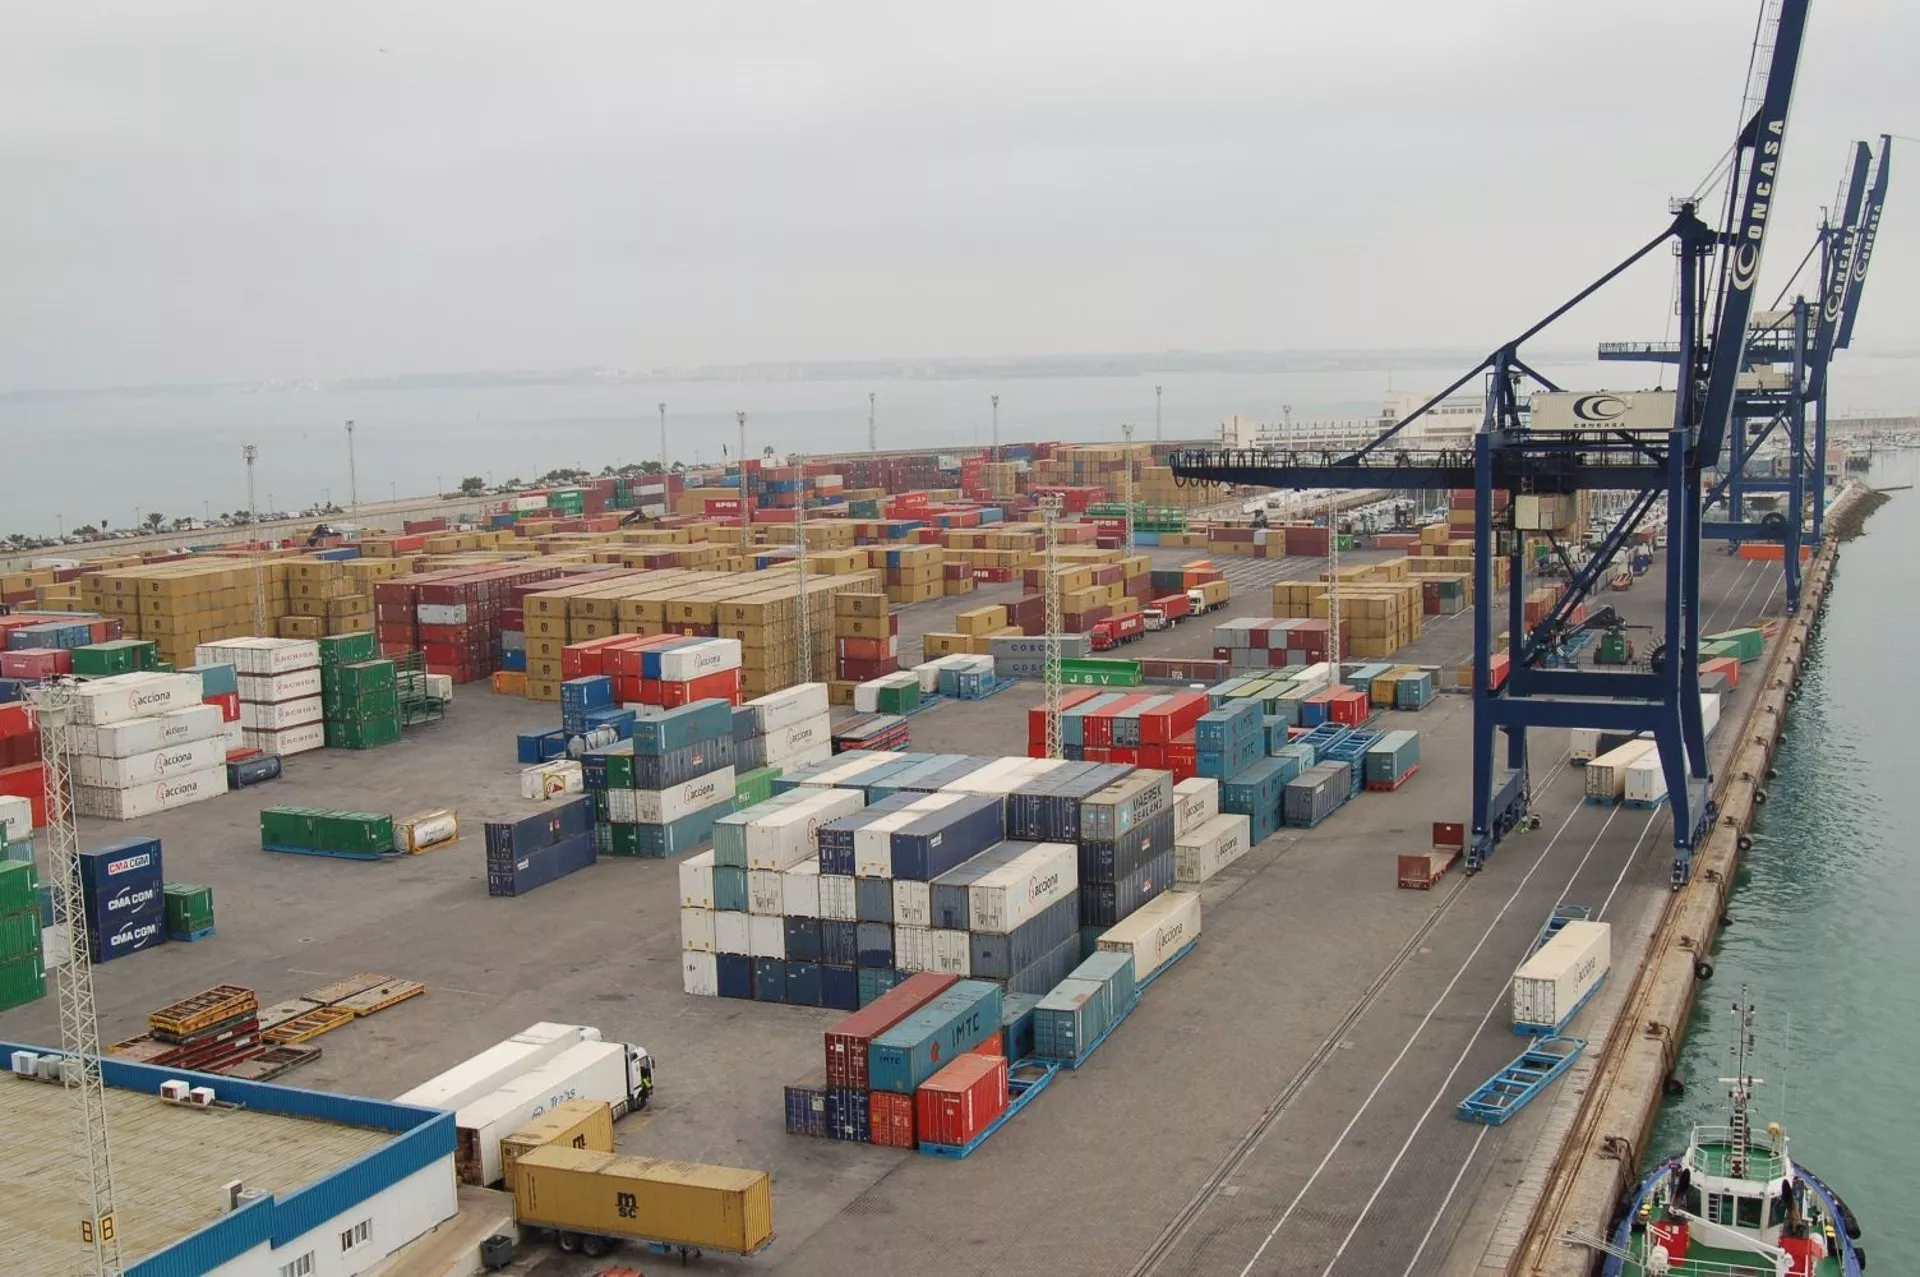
<point>329,1185</point>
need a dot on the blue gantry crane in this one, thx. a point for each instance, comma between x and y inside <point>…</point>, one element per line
<point>1788,354</point>
<point>1549,442</point>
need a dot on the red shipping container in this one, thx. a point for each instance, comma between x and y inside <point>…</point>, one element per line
<point>1723,665</point>
<point>1348,707</point>
<point>1097,727</point>
<point>105,630</point>
<point>36,662</point>
<point>853,671</point>
<point>229,703</point>
<point>1124,754</point>
<point>847,1041</point>
<point>722,685</point>
<point>890,1118</point>
<point>28,781</point>
<point>866,649</point>
<point>962,1100</point>
<point>14,721</point>
<point>1096,754</point>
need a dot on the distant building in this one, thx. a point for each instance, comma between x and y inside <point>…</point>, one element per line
<point>327,1185</point>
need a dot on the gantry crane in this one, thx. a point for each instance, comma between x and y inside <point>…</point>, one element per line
<point>53,709</point>
<point>1653,444</point>
<point>1788,355</point>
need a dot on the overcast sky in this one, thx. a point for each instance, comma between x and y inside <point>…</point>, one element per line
<point>211,192</point>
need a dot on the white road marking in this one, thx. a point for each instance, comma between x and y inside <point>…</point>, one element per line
<point>1372,1095</point>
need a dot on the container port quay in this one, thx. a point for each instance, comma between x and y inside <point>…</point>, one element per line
<point>1198,857</point>
<point>1295,1071</point>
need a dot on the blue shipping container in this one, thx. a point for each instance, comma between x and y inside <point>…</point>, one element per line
<point>805,987</point>
<point>130,935</point>
<point>734,974</point>
<point>1104,861</point>
<point>126,898</point>
<point>944,839</point>
<point>840,987</point>
<point>839,943</point>
<point>1038,979</point>
<point>681,727</point>
<point>875,946</point>
<point>217,679</point>
<point>506,839</point>
<point>849,1116</point>
<point>540,865</point>
<point>997,957</point>
<point>1016,1024</point>
<point>1069,1020</point>
<point>807,1107</point>
<point>803,942</point>
<point>919,1046</point>
<point>875,981</point>
<point>1102,903</point>
<point>128,859</point>
<point>769,980</point>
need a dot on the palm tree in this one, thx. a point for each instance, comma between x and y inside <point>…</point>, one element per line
<point>156,521</point>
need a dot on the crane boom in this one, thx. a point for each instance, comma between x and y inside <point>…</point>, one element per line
<point>1840,271</point>
<point>1759,147</point>
<point>1863,250</point>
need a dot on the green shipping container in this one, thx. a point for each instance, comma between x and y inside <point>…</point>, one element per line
<point>1743,644</point>
<point>17,881</point>
<point>626,840</point>
<point>1094,671</point>
<point>371,733</point>
<point>189,907</point>
<point>357,678</point>
<point>19,934</point>
<point>365,707</point>
<point>343,649</point>
<point>22,980</point>
<point>620,766</point>
<point>360,831</point>
<point>118,656</point>
<point>753,787</point>
<point>289,826</point>
<point>898,700</point>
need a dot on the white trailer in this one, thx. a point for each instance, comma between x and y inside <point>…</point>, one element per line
<point>482,1074</point>
<point>616,1072</point>
<point>1551,986</point>
<point>1607,774</point>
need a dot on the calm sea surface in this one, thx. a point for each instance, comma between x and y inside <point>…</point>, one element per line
<point>116,458</point>
<point>1825,909</point>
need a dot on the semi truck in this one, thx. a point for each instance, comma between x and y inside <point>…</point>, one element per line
<point>1115,630</point>
<point>1168,611</point>
<point>616,1072</point>
<point>493,1068</point>
<point>590,1202</point>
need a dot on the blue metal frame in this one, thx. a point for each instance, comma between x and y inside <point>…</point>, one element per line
<point>1808,345</point>
<point>1508,458</point>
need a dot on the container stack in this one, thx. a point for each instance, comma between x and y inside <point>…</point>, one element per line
<point>220,688</point>
<point>659,793</point>
<point>735,911</point>
<point>122,889</point>
<point>323,599</point>
<point>532,850</point>
<point>281,709</point>
<point>358,693</point>
<point>21,774</point>
<point>1229,739</point>
<point>786,729</point>
<point>1126,847</point>
<point>865,642</point>
<point>145,743</point>
<point>23,976</point>
<point>1317,793</point>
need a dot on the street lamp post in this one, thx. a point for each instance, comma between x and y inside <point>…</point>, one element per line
<point>996,429</point>
<point>1156,415</point>
<point>663,442</point>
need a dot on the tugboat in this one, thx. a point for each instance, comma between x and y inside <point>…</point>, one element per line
<point>1735,1205</point>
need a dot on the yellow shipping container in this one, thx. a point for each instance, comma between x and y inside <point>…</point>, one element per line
<point>580,1191</point>
<point>585,1124</point>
